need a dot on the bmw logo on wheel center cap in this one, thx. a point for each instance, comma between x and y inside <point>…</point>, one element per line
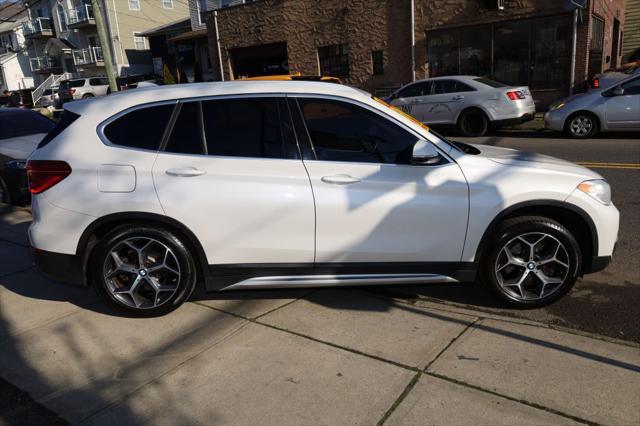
<point>142,272</point>
<point>531,266</point>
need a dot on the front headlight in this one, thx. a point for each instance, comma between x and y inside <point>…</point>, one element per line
<point>557,106</point>
<point>598,189</point>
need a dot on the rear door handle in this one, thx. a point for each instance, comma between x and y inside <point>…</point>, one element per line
<point>340,179</point>
<point>457,98</point>
<point>185,172</point>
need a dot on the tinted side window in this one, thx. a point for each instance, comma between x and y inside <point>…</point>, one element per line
<point>142,128</point>
<point>98,81</point>
<point>450,86</point>
<point>632,87</point>
<point>418,89</point>
<point>245,127</point>
<point>186,135</point>
<point>341,131</point>
<point>76,83</point>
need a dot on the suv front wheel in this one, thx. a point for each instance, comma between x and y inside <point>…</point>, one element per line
<point>531,262</point>
<point>143,270</point>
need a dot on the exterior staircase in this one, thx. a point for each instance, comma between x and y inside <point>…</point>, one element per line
<point>52,80</point>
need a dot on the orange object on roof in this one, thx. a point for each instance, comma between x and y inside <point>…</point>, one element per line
<point>294,77</point>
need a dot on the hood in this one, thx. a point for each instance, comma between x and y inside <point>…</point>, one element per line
<point>21,147</point>
<point>515,157</point>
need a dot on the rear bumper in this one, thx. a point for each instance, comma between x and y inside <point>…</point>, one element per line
<point>516,120</point>
<point>66,268</point>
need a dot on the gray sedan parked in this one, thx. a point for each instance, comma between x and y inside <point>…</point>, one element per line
<point>472,103</point>
<point>609,109</point>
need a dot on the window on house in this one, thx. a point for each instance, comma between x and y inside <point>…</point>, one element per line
<point>202,11</point>
<point>167,4</point>
<point>62,18</point>
<point>139,42</point>
<point>134,4</point>
<point>334,60</point>
<point>377,60</point>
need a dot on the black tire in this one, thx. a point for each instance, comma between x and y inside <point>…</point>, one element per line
<point>473,123</point>
<point>87,96</point>
<point>180,259</point>
<point>530,227</point>
<point>582,125</point>
<point>5,196</point>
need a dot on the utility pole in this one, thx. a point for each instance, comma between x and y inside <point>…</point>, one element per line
<point>105,43</point>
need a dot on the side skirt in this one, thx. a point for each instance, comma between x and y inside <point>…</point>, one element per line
<point>266,276</point>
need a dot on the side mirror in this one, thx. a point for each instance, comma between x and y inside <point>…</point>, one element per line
<point>424,153</point>
<point>618,91</point>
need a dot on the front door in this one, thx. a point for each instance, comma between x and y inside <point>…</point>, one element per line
<point>411,99</point>
<point>623,112</point>
<point>372,205</point>
<point>232,175</point>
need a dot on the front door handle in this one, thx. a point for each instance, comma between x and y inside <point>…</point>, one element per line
<point>340,179</point>
<point>185,172</point>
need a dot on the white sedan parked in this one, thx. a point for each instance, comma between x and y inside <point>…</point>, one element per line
<point>472,103</point>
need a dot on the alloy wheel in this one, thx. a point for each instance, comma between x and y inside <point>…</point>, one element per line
<point>581,125</point>
<point>532,266</point>
<point>141,272</point>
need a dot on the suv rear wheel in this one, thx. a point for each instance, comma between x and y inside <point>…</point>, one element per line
<point>531,262</point>
<point>143,270</point>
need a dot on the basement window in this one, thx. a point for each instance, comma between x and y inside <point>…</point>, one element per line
<point>334,60</point>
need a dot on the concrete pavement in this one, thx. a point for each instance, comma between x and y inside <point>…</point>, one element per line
<point>331,356</point>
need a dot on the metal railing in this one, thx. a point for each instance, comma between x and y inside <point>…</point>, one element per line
<point>49,82</point>
<point>41,63</point>
<point>36,26</point>
<point>80,14</point>
<point>88,55</point>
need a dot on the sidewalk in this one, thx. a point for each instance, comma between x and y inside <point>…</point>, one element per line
<point>298,357</point>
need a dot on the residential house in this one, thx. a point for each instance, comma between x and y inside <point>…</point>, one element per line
<point>63,38</point>
<point>15,72</point>
<point>551,46</point>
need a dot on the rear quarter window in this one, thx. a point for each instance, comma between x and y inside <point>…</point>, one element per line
<point>67,118</point>
<point>141,128</point>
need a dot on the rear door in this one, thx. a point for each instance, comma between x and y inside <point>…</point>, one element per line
<point>231,172</point>
<point>446,101</point>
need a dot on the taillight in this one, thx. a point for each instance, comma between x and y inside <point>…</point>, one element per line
<point>515,95</point>
<point>72,91</point>
<point>596,83</point>
<point>43,174</point>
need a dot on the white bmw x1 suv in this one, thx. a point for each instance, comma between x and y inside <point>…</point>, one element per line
<point>152,194</point>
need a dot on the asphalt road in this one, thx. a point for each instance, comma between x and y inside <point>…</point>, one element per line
<point>606,303</point>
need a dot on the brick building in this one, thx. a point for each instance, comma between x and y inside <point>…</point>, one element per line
<point>368,42</point>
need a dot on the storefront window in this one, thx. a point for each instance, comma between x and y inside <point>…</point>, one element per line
<point>531,52</point>
<point>550,53</point>
<point>475,51</point>
<point>511,55</point>
<point>443,52</point>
